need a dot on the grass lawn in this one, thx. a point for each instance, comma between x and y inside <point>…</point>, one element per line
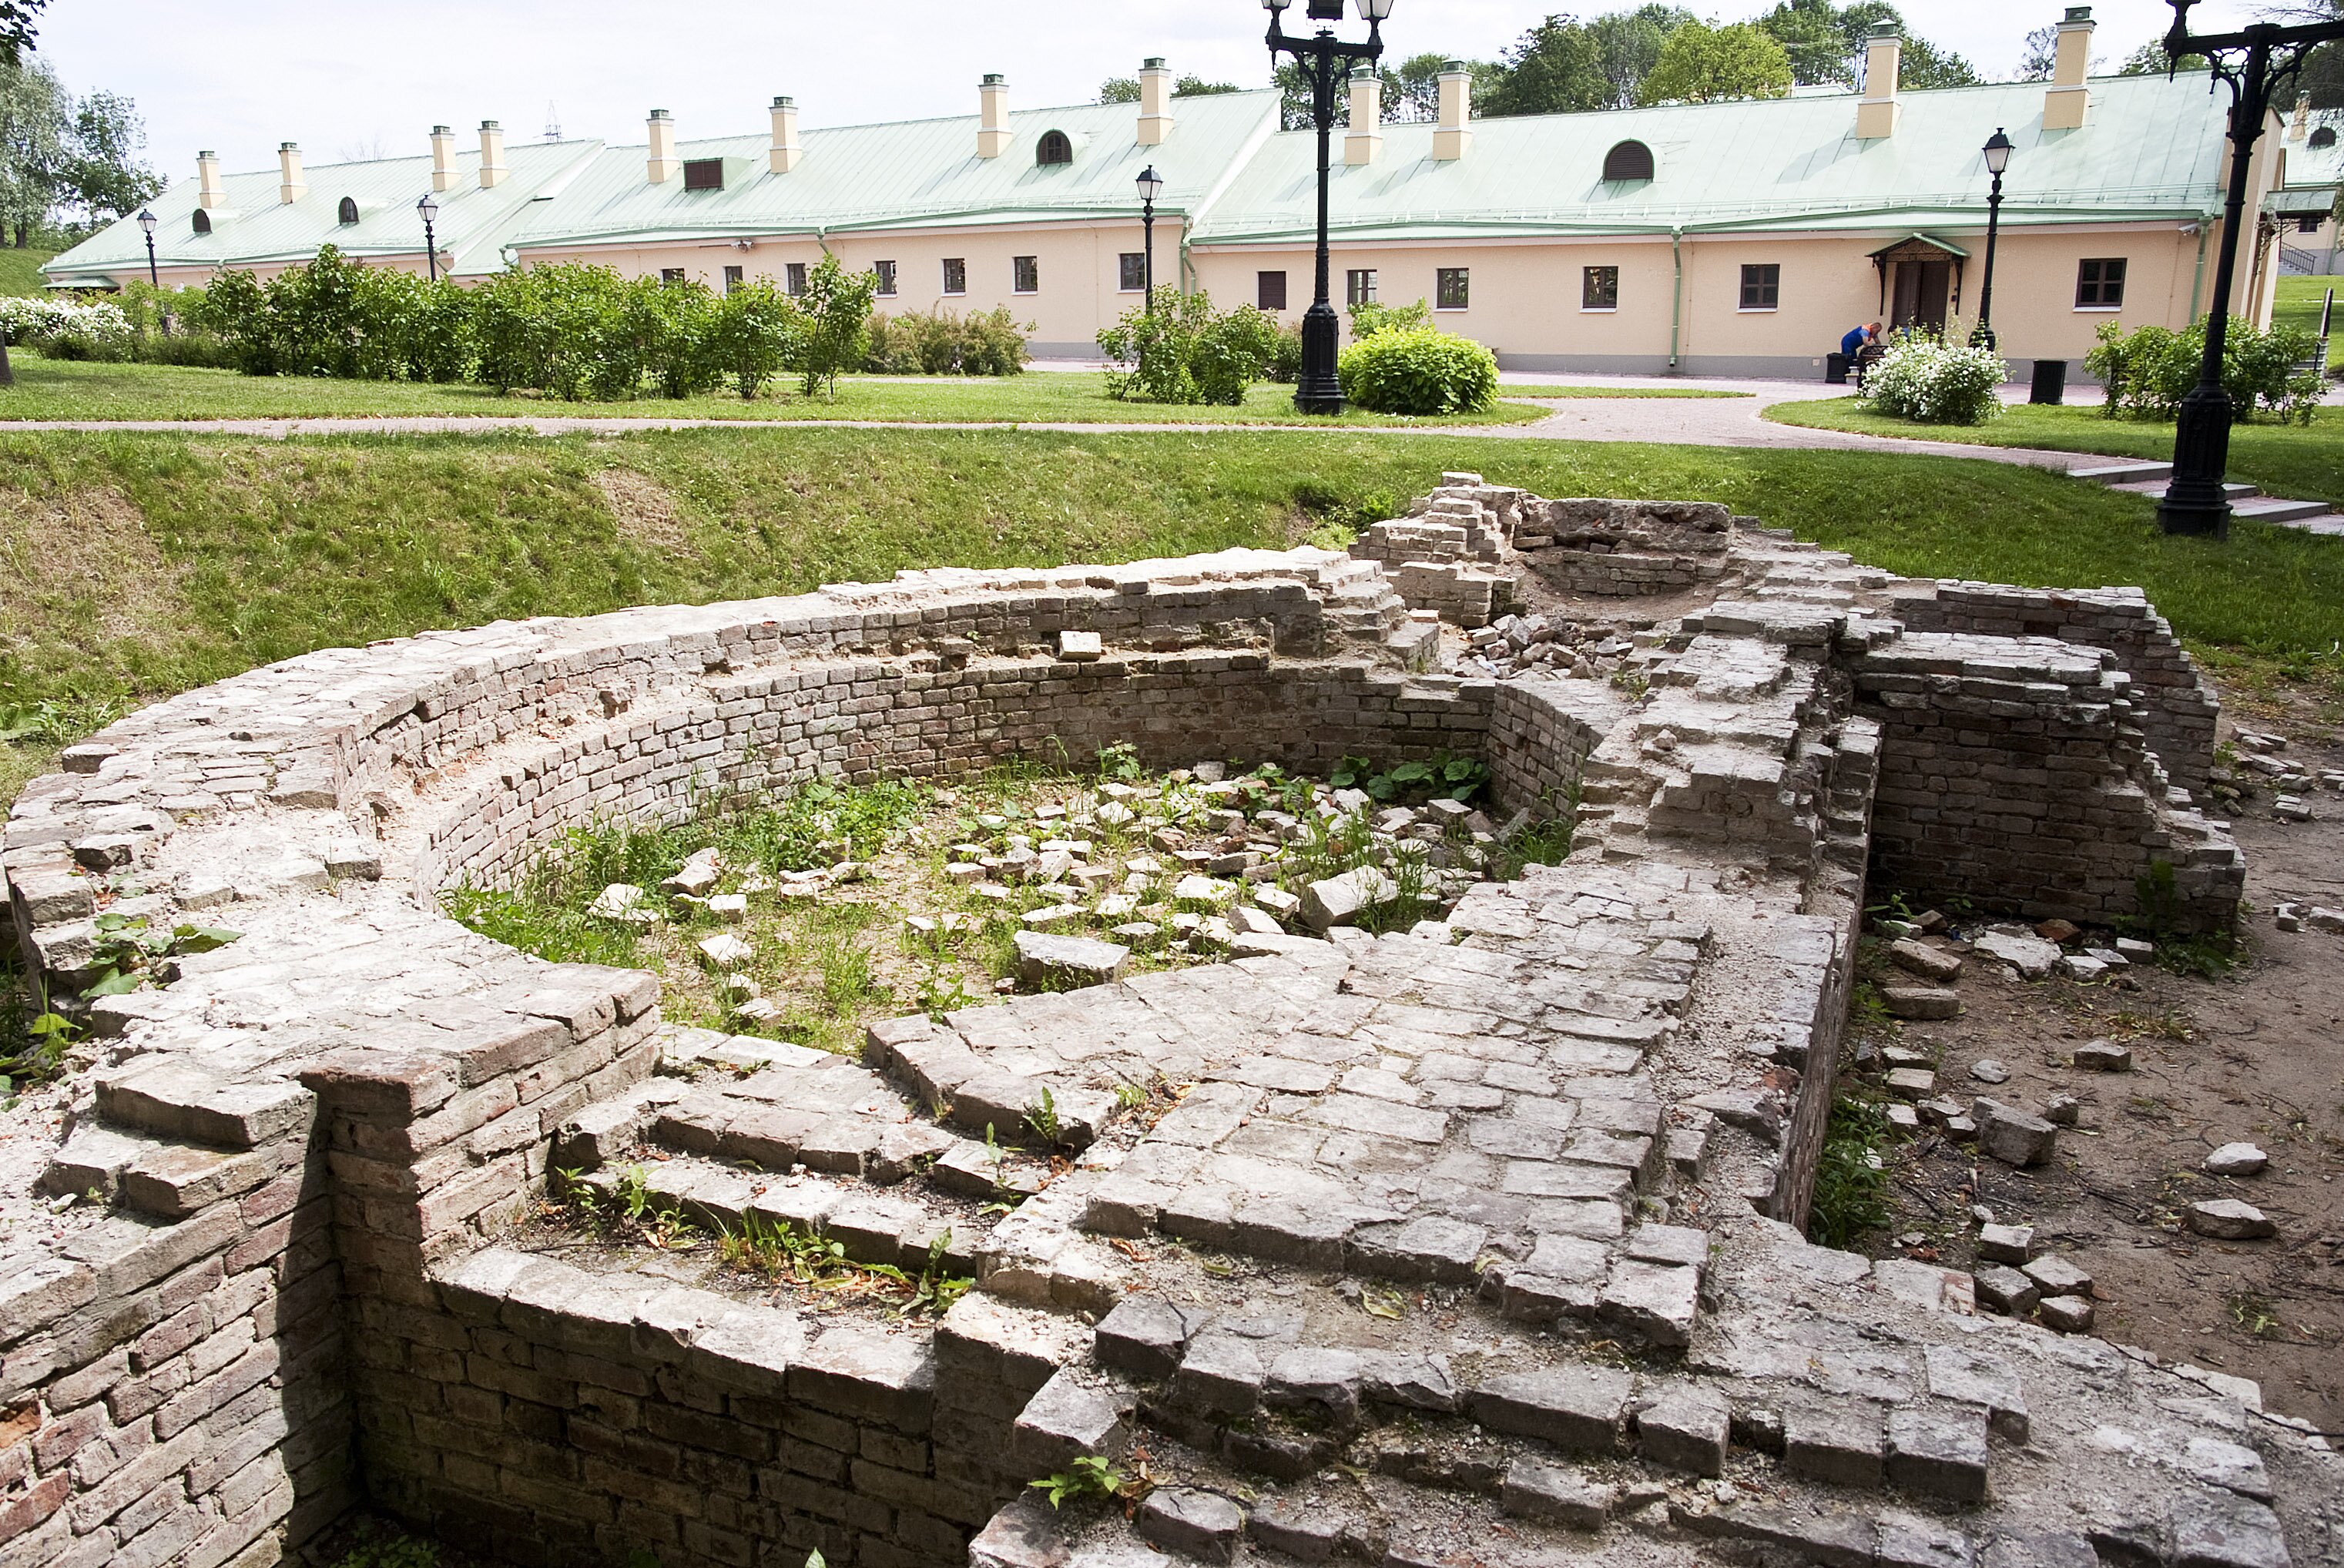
<point>20,270</point>
<point>65,389</point>
<point>2302,462</point>
<point>2299,300</point>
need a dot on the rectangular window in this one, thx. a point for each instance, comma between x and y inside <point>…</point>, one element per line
<point>1359,285</point>
<point>703,173</point>
<point>1131,271</point>
<point>956,274</point>
<point>1762,287</point>
<point>2306,226</point>
<point>1598,288</point>
<point>2100,283</point>
<point>1449,288</point>
<point>732,278</point>
<point>885,272</point>
<point>1270,290</point>
<point>794,275</point>
<point>671,275</point>
<point>1024,275</point>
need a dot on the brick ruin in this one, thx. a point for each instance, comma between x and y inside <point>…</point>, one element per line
<point>1578,1127</point>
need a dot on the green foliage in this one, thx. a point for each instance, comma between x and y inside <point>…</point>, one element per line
<point>1826,43</point>
<point>1179,349</point>
<point>1925,378</point>
<point>1089,1476</point>
<point>1698,63</point>
<point>336,317</point>
<point>2149,370</point>
<point>1565,66</point>
<point>126,954</point>
<point>1851,1194</point>
<point>1417,370</point>
<point>837,305</point>
<point>982,343</point>
<point>1445,777</point>
<point>1369,317</point>
<point>757,332</point>
<point>374,1545</point>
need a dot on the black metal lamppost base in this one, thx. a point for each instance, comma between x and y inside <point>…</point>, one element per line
<point>1316,391</point>
<point>2195,500</point>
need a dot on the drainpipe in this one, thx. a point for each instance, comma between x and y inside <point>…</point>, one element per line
<point>2197,282</point>
<point>1676,301</point>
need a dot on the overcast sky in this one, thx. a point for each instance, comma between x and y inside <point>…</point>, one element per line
<point>351,80</point>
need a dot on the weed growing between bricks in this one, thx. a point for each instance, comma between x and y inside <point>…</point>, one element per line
<point>804,915</point>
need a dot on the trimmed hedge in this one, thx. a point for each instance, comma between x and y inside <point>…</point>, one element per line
<point>1418,370</point>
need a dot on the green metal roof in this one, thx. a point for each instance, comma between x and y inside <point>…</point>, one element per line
<point>2150,148</point>
<point>923,172</point>
<point>253,227</point>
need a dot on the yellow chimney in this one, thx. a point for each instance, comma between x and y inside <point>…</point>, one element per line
<point>493,155</point>
<point>784,155</point>
<point>1876,111</point>
<point>1454,133</point>
<point>290,187</point>
<point>993,123</point>
<point>1365,139</point>
<point>443,158</point>
<point>210,192</point>
<point>2299,123</point>
<point>2067,100</point>
<point>1155,101</point>
<point>662,164</point>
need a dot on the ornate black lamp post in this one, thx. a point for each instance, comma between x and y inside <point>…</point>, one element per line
<point>430,209</point>
<point>1150,186</point>
<point>2269,59</point>
<point>1326,61</point>
<point>1997,151</point>
<point>147,222</point>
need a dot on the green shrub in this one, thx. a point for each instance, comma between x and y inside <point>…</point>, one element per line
<point>1286,362</point>
<point>985,343</point>
<point>1367,318</point>
<point>1417,370</point>
<point>1179,349</point>
<point>2149,370</point>
<point>1925,379</point>
<point>837,307</point>
<point>756,335</point>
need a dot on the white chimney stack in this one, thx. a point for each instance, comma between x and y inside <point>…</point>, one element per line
<point>662,165</point>
<point>1454,135</point>
<point>210,192</point>
<point>443,158</point>
<point>1155,101</point>
<point>784,155</point>
<point>493,155</point>
<point>1877,110</point>
<point>993,122</point>
<point>1365,139</point>
<point>2067,100</point>
<point>290,187</point>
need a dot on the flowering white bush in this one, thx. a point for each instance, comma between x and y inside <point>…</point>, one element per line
<point>38,320</point>
<point>1934,382</point>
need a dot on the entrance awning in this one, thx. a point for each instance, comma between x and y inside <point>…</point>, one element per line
<point>1917,248</point>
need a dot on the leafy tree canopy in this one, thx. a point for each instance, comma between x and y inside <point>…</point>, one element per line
<point>1125,89</point>
<point>1825,44</point>
<point>1698,63</point>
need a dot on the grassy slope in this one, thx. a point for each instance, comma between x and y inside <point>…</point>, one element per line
<point>133,565</point>
<point>2299,304</point>
<point>55,389</point>
<point>2305,462</point>
<point>20,270</point>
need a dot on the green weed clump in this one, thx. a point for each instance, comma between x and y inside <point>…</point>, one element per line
<point>1851,1194</point>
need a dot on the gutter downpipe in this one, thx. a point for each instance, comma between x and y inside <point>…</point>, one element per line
<point>2197,281</point>
<point>1676,299</point>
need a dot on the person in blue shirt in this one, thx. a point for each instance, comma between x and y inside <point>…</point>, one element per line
<point>1858,340</point>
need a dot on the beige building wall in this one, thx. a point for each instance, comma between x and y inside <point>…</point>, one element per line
<point>1078,268</point>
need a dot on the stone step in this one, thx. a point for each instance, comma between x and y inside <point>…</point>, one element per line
<point>2235,492</point>
<point>2276,509</point>
<point>2122,473</point>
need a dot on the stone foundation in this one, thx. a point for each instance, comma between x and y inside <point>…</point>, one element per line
<point>1586,1109</point>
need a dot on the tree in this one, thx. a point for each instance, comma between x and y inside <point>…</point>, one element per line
<point>1924,65</point>
<point>1826,43</point>
<point>1557,69</point>
<point>837,307</point>
<point>2042,50</point>
<point>16,28</point>
<point>2151,60</point>
<point>1698,63</point>
<point>103,175</point>
<point>36,130</point>
<point>1125,89</point>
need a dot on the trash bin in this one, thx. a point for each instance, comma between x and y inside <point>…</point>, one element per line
<point>1835,369</point>
<point>2050,381</point>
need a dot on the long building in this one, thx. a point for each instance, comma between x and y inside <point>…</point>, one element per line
<point>1740,237</point>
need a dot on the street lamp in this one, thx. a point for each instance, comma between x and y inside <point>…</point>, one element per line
<point>1151,185</point>
<point>1325,61</point>
<point>147,222</point>
<point>430,209</point>
<point>1997,151</point>
<point>2193,500</point>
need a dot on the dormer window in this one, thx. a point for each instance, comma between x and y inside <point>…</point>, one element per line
<point>1627,161</point>
<point>347,213</point>
<point>203,221</point>
<point>703,173</point>
<point>2325,136</point>
<point>1054,148</point>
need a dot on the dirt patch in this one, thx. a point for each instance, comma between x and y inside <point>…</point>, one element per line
<point>2256,1055</point>
<point>82,557</point>
<point>645,511</point>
